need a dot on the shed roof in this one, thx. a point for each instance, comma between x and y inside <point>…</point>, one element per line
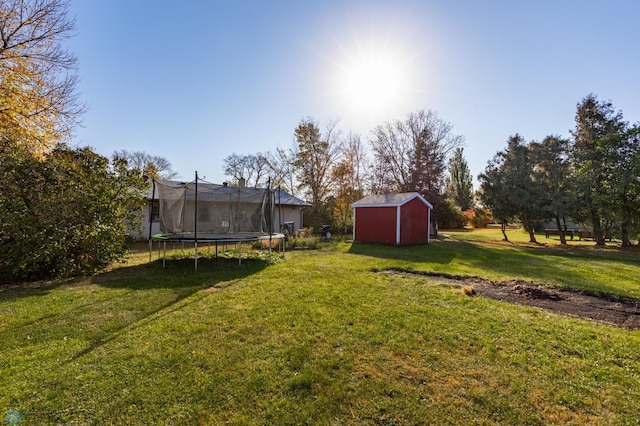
<point>389,200</point>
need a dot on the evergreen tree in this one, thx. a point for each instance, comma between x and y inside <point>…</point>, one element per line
<point>509,186</point>
<point>551,172</point>
<point>459,184</point>
<point>494,193</point>
<point>598,140</point>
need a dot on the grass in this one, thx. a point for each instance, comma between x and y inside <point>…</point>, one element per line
<point>318,337</point>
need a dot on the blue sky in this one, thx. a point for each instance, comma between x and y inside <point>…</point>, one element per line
<point>195,81</point>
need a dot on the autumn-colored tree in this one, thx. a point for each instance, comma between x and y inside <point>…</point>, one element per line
<point>39,104</point>
<point>315,155</point>
<point>348,181</point>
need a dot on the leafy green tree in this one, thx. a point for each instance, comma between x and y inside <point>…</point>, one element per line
<point>451,217</point>
<point>625,187</point>
<point>459,184</point>
<point>597,138</point>
<point>552,176</point>
<point>510,189</point>
<point>65,213</point>
<point>494,192</point>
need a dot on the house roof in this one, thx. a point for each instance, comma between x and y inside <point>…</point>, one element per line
<point>287,199</point>
<point>281,197</point>
<point>389,200</point>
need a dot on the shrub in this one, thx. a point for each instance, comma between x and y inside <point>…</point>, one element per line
<point>449,215</point>
<point>64,214</point>
<point>480,217</point>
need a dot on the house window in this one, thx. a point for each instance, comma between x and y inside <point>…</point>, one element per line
<point>155,211</point>
<point>203,214</point>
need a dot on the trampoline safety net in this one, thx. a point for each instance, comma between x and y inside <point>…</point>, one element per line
<point>199,209</point>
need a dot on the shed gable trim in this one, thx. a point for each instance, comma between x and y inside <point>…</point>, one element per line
<point>390,200</point>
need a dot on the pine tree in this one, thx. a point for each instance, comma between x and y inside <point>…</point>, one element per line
<point>459,184</point>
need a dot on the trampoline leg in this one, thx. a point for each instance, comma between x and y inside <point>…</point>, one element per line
<point>196,261</point>
<point>164,255</point>
<point>240,254</point>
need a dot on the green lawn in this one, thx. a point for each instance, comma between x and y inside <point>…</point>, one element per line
<point>319,337</point>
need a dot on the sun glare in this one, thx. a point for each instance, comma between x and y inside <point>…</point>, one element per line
<point>373,81</point>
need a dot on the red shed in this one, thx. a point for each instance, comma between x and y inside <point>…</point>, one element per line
<point>392,219</point>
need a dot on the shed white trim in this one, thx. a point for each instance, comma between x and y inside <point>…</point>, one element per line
<point>390,200</point>
<point>398,225</point>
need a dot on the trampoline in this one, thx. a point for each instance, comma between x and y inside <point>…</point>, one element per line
<point>201,212</point>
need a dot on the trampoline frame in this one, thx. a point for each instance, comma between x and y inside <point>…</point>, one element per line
<point>221,238</point>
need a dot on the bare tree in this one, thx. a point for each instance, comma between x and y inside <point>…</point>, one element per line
<point>410,155</point>
<point>260,165</point>
<point>39,105</point>
<point>150,165</point>
<point>393,153</point>
<point>253,168</point>
<point>282,169</point>
<point>236,167</point>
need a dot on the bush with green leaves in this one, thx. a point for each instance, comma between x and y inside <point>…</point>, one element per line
<point>449,215</point>
<point>64,213</point>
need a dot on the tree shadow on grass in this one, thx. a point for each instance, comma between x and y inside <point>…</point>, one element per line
<point>419,253</point>
<point>178,273</point>
<point>539,264</point>
<point>103,307</point>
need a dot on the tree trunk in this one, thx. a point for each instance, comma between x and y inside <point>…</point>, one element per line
<point>624,230</point>
<point>563,237</point>
<point>434,227</point>
<point>528,226</point>
<point>503,228</point>
<point>597,230</point>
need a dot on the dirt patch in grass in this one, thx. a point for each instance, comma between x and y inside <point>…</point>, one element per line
<point>618,311</point>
